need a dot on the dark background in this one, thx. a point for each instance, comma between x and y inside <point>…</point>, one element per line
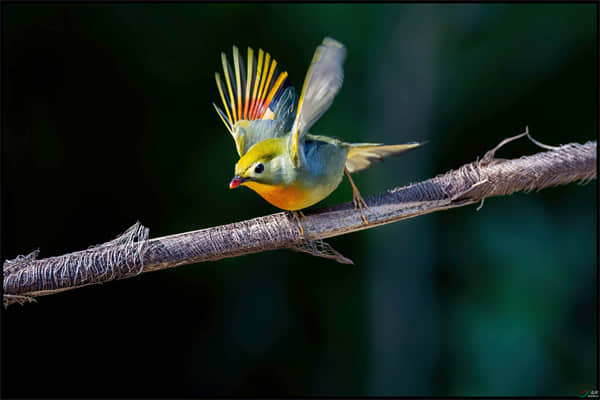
<point>107,119</point>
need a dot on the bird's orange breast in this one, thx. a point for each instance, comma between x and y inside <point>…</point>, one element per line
<point>291,197</point>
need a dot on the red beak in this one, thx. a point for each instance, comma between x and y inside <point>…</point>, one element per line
<point>236,181</point>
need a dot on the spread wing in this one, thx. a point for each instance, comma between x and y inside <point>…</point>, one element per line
<point>323,80</point>
<point>251,97</point>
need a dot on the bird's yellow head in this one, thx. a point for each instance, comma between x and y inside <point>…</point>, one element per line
<point>266,163</point>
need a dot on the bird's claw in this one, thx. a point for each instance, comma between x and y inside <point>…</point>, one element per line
<point>297,215</point>
<point>359,202</point>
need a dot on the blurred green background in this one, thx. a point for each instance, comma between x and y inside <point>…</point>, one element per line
<point>107,119</point>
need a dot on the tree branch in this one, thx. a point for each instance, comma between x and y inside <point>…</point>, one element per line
<point>132,253</point>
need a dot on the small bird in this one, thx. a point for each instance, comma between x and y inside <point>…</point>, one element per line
<point>289,167</point>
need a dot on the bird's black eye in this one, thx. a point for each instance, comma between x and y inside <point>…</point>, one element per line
<point>259,168</point>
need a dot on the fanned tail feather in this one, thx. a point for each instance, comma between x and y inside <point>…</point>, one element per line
<point>252,93</point>
<point>362,155</point>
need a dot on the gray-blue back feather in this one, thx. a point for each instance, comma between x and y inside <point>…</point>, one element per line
<point>323,158</point>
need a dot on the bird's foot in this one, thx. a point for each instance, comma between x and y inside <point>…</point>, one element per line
<point>360,203</point>
<point>357,199</point>
<point>297,215</point>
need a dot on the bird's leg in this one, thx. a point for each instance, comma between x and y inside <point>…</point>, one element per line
<point>357,199</point>
<point>297,215</point>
